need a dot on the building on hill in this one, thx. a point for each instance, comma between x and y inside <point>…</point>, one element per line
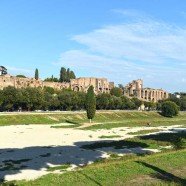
<point>80,84</point>
<point>101,85</point>
<point>3,70</point>
<point>135,89</point>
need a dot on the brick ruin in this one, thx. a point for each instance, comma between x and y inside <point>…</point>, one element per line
<point>101,85</point>
<point>135,89</point>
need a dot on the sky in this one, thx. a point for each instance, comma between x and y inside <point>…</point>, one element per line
<point>121,40</point>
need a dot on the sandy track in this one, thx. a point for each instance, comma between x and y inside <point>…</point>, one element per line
<point>29,149</point>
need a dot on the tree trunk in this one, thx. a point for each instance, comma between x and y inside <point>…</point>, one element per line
<point>90,120</point>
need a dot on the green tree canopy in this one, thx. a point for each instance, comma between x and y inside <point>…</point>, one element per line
<point>90,103</point>
<point>169,109</point>
<point>36,74</point>
<point>116,92</point>
<point>63,75</point>
<point>21,76</point>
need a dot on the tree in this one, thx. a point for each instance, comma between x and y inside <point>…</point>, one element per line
<point>102,101</point>
<point>90,103</point>
<point>116,92</point>
<point>36,74</point>
<point>136,102</point>
<point>63,75</point>
<point>72,75</point>
<point>21,76</point>
<point>169,109</point>
<point>68,75</point>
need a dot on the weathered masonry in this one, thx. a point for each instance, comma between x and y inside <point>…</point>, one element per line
<point>101,85</point>
<point>135,89</point>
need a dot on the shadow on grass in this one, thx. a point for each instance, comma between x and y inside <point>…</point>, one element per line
<point>72,122</point>
<point>163,175</point>
<point>91,179</point>
<point>115,144</point>
<point>14,161</point>
<point>165,136</point>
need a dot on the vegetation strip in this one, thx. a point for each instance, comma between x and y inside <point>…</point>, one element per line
<point>154,169</point>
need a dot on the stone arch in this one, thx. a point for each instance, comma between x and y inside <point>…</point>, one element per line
<point>165,95</point>
<point>76,89</point>
<point>161,95</point>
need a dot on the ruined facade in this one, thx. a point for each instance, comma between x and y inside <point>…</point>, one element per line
<point>80,84</point>
<point>101,85</point>
<point>135,89</point>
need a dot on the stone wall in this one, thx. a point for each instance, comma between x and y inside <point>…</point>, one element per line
<point>135,89</point>
<point>79,84</point>
<point>101,85</point>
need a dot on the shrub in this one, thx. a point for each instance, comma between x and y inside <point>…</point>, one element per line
<point>90,103</point>
<point>169,109</point>
<point>178,143</point>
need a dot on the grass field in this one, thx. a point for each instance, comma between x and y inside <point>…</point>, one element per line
<point>106,120</point>
<point>166,168</point>
<point>147,168</point>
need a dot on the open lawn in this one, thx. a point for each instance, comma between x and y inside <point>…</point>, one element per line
<point>159,169</point>
<point>117,145</point>
<point>103,119</point>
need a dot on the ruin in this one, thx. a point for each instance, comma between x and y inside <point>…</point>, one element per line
<point>3,70</point>
<point>101,85</point>
<point>135,89</point>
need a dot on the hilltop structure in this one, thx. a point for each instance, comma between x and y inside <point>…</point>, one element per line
<point>101,85</point>
<point>3,70</point>
<point>135,89</point>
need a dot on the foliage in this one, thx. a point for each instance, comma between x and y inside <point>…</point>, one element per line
<point>21,76</point>
<point>66,75</point>
<point>52,79</point>
<point>180,101</point>
<point>29,99</point>
<point>150,105</point>
<point>90,103</point>
<point>36,74</point>
<point>116,92</point>
<point>169,109</point>
<point>178,143</point>
<point>137,102</point>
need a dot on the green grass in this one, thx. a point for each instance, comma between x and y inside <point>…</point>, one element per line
<point>60,167</point>
<point>142,132</point>
<point>110,119</point>
<point>154,141</point>
<point>158,169</point>
<point>111,136</point>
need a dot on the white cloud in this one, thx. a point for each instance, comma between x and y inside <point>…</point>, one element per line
<point>143,48</point>
<point>15,70</point>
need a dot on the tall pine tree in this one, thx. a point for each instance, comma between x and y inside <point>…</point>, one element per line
<point>90,103</point>
<point>68,75</point>
<point>63,75</point>
<point>36,74</point>
<point>72,75</point>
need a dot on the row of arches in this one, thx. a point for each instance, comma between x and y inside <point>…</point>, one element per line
<point>153,95</point>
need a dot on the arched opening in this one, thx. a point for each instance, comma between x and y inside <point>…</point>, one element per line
<point>76,89</point>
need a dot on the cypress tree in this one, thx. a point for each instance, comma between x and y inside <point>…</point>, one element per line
<point>72,75</point>
<point>90,103</point>
<point>63,75</point>
<point>36,74</point>
<point>68,75</point>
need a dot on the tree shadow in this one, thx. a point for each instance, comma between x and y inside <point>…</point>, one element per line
<point>163,175</point>
<point>31,160</point>
<point>171,136</point>
<point>72,122</point>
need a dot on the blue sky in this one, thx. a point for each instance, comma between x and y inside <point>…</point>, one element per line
<point>121,40</point>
